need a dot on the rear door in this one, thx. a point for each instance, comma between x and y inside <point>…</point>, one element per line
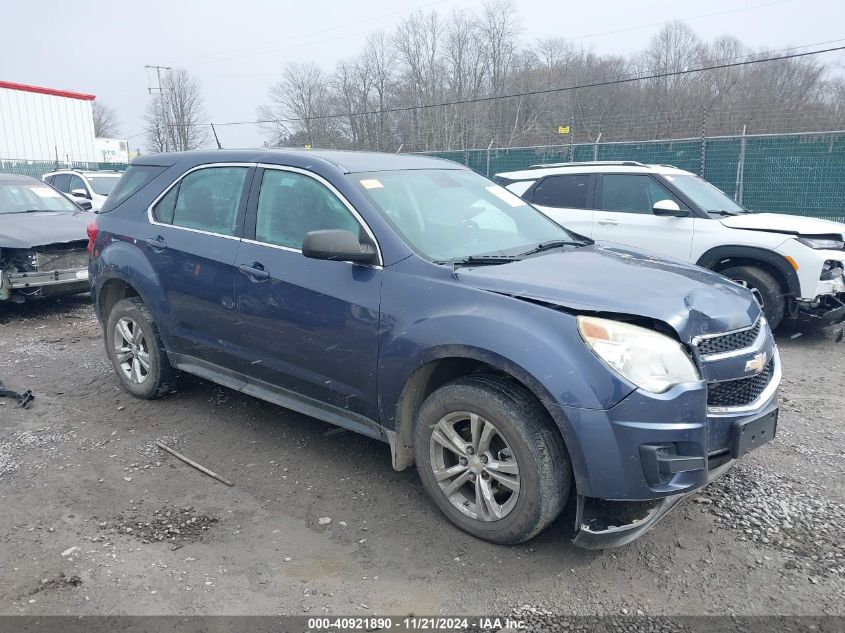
<point>191,243</point>
<point>624,215</point>
<point>567,199</point>
<point>308,327</point>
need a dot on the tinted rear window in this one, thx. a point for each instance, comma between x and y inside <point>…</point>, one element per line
<point>135,177</point>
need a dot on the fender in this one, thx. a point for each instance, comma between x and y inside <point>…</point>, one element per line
<point>710,258</point>
<point>124,261</point>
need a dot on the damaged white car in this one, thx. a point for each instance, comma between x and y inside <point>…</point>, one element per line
<point>793,264</point>
<point>43,241</point>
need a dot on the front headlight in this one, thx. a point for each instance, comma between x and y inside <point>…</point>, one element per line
<point>651,361</point>
<point>829,243</point>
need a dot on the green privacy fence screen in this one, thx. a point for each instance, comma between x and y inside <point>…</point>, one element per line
<point>37,168</point>
<point>803,174</point>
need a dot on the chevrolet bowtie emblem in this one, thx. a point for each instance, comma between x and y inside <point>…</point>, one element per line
<point>758,363</point>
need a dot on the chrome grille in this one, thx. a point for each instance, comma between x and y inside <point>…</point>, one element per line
<point>739,392</point>
<point>730,342</point>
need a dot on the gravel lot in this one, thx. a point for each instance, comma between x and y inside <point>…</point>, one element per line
<point>97,520</point>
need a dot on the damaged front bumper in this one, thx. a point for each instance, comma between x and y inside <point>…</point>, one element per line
<point>824,311</point>
<point>605,524</point>
<point>43,282</point>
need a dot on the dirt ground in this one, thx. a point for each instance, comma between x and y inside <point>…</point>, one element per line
<point>96,520</point>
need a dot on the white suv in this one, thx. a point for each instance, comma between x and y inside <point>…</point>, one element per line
<point>92,185</point>
<point>794,264</point>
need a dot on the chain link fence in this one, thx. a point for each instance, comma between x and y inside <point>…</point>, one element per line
<point>37,168</point>
<point>802,174</point>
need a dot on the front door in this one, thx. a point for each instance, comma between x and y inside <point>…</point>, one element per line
<point>191,244</point>
<point>307,326</point>
<point>624,215</point>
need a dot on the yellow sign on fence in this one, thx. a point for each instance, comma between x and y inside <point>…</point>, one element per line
<point>563,129</point>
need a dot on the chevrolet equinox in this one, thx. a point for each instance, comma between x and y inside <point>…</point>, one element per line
<point>518,364</point>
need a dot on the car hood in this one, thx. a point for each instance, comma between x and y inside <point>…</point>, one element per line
<point>26,230</point>
<point>606,278</point>
<point>781,223</point>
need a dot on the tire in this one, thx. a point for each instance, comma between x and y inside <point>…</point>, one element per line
<point>522,433</point>
<point>768,290</point>
<point>147,380</point>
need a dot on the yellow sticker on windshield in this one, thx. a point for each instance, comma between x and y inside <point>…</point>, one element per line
<point>372,183</point>
<point>506,196</point>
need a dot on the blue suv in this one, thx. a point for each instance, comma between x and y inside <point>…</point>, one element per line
<point>518,364</point>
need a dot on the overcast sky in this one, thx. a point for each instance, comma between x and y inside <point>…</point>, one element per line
<point>237,48</point>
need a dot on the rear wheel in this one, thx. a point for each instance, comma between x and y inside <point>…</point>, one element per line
<point>488,455</point>
<point>136,351</point>
<point>767,289</point>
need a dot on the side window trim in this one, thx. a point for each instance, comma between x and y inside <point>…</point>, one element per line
<point>239,218</point>
<point>252,210</point>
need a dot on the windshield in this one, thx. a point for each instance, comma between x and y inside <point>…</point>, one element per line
<point>448,215</point>
<point>705,195</point>
<point>103,185</point>
<point>21,197</point>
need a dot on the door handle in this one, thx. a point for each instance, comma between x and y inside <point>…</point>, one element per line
<point>608,222</point>
<point>157,243</point>
<point>256,271</point>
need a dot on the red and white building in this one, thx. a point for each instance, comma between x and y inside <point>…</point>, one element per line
<point>46,124</point>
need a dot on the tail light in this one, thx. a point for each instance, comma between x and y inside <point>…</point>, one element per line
<point>92,231</point>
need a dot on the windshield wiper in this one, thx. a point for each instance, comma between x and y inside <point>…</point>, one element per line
<point>485,260</point>
<point>547,246</point>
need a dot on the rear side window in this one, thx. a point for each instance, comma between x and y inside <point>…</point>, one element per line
<point>135,177</point>
<point>566,192</point>
<point>290,205</point>
<point>205,200</point>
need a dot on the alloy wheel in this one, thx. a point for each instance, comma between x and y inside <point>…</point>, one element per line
<point>132,354</point>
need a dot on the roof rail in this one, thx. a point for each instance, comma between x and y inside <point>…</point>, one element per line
<point>596,163</point>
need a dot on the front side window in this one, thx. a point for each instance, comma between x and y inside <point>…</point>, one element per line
<point>205,200</point>
<point>61,181</point>
<point>77,183</point>
<point>563,192</point>
<point>290,205</point>
<point>447,215</point>
<point>631,193</point>
<point>18,197</point>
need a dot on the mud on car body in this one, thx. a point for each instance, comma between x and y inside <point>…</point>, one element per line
<point>42,241</point>
<point>517,364</point>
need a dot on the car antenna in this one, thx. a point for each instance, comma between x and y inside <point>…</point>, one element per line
<point>219,146</point>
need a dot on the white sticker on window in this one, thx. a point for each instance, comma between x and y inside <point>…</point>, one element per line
<point>46,192</point>
<point>505,195</point>
<point>372,183</point>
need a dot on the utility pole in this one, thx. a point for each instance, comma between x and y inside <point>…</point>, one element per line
<point>160,89</point>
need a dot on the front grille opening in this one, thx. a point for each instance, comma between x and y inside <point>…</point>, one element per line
<point>740,392</point>
<point>730,342</point>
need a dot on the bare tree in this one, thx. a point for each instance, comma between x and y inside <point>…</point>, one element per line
<point>298,103</point>
<point>174,121</point>
<point>105,120</point>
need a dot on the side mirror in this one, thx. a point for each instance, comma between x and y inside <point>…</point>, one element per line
<point>668,208</point>
<point>85,205</point>
<point>337,245</point>
<point>80,193</point>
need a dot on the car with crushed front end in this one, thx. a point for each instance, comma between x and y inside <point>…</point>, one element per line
<point>42,241</point>
<point>517,364</point>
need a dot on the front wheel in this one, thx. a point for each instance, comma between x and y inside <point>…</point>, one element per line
<point>766,288</point>
<point>489,456</point>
